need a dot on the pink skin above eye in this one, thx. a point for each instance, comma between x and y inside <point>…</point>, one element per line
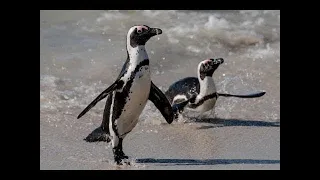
<point>206,61</point>
<point>140,28</point>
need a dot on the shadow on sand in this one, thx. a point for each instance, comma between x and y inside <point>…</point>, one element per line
<point>170,162</point>
<point>219,122</point>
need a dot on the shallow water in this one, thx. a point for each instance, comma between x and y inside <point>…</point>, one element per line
<point>82,53</point>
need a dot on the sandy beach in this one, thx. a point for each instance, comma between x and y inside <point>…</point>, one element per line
<point>82,53</point>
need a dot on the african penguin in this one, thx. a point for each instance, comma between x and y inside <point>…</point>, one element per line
<point>199,93</point>
<point>128,95</point>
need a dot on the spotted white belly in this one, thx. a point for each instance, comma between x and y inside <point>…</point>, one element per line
<point>136,102</point>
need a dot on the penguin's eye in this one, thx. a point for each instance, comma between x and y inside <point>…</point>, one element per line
<point>139,31</point>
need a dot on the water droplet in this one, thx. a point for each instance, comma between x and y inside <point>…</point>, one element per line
<point>223,74</point>
<point>109,40</point>
<point>163,58</point>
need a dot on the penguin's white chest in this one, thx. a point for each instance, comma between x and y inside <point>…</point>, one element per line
<point>136,101</point>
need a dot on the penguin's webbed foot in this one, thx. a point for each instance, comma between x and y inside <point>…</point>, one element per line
<point>120,160</point>
<point>119,156</point>
<point>123,156</point>
<point>122,163</point>
<point>98,135</point>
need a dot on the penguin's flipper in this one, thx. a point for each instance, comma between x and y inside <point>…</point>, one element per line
<point>157,97</point>
<point>253,95</point>
<point>116,85</point>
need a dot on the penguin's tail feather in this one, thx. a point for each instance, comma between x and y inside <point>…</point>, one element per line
<point>254,95</point>
<point>97,135</point>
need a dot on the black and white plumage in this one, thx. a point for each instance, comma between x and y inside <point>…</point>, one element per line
<point>128,95</point>
<point>199,93</point>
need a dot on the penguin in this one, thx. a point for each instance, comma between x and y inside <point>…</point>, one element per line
<point>199,93</point>
<point>128,95</point>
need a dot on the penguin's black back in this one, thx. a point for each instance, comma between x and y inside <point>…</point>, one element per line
<point>188,86</point>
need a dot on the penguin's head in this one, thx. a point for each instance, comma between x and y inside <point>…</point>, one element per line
<point>140,34</point>
<point>208,66</point>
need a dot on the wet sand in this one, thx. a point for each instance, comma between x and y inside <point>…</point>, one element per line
<point>209,144</point>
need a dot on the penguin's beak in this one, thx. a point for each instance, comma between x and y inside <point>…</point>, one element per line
<point>154,31</point>
<point>217,61</point>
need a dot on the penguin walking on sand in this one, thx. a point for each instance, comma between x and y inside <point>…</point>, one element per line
<point>128,95</point>
<point>199,93</point>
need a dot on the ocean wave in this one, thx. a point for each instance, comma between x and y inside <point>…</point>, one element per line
<point>244,28</point>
